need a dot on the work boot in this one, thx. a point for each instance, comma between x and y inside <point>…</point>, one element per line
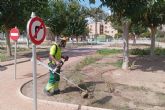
<point>51,93</point>
<point>57,92</point>
<point>48,93</point>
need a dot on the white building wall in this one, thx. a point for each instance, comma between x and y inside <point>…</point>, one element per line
<point>107,29</point>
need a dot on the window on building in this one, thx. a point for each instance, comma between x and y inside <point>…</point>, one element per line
<point>101,29</point>
<point>106,31</point>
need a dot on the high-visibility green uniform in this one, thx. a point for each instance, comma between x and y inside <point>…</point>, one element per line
<point>53,83</point>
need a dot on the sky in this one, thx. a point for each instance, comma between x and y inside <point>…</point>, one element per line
<point>97,4</point>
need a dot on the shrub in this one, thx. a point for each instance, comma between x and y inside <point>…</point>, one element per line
<point>142,52</point>
<point>159,51</point>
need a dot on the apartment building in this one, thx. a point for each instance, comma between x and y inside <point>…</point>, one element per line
<point>103,28</point>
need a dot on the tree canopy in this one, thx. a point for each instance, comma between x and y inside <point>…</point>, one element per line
<point>67,18</point>
<point>76,20</point>
<point>58,18</point>
<point>17,13</point>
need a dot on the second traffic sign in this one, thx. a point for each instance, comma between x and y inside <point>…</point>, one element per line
<point>14,34</point>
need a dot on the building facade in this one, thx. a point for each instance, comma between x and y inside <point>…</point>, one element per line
<point>103,28</point>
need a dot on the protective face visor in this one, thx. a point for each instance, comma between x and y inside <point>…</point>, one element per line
<point>63,42</point>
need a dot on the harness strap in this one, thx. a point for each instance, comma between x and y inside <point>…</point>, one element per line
<point>50,59</point>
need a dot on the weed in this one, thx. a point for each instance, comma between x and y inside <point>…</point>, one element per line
<point>110,86</point>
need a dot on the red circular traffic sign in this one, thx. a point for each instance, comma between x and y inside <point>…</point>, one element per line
<point>36,30</point>
<point>14,34</point>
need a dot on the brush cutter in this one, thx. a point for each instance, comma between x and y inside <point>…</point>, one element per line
<point>84,92</point>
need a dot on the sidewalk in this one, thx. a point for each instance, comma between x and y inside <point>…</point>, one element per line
<point>11,97</point>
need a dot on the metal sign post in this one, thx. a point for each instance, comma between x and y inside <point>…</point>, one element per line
<point>15,57</point>
<point>14,35</point>
<point>36,31</point>
<point>34,77</point>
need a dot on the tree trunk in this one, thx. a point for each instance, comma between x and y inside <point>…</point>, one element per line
<point>72,40</point>
<point>153,32</point>
<point>8,42</point>
<point>77,39</point>
<point>125,45</point>
<point>28,43</point>
<point>27,40</point>
<point>134,39</point>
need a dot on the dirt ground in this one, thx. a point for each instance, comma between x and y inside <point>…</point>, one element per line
<point>140,88</point>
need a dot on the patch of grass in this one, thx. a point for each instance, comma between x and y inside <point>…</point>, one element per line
<point>3,53</point>
<point>101,64</point>
<point>88,60</point>
<point>118,63</point>
<point>108,51</point>
<point>19,49</point>
<point>3,57</point>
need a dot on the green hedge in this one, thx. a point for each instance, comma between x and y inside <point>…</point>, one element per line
<point>142,52</point>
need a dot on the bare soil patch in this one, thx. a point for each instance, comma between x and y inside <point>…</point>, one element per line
<point>99,76</point>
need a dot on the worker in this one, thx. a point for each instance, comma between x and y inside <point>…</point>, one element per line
<point>56,60</point>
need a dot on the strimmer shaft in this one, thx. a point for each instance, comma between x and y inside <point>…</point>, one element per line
<point>54,70</point>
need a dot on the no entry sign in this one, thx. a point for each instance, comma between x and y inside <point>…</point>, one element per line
<point>36,30</point>
<point>14,34</point>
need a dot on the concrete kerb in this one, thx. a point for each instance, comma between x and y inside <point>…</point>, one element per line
<point>59,104</point>
<point>20,88</point>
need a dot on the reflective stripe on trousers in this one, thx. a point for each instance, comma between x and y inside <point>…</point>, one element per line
<point>52,87</point>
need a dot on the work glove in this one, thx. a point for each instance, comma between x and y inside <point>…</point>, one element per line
<point>61,62</point>
<point>66,58</point>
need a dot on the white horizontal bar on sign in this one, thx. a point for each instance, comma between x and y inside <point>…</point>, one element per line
<point>14,34</point>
